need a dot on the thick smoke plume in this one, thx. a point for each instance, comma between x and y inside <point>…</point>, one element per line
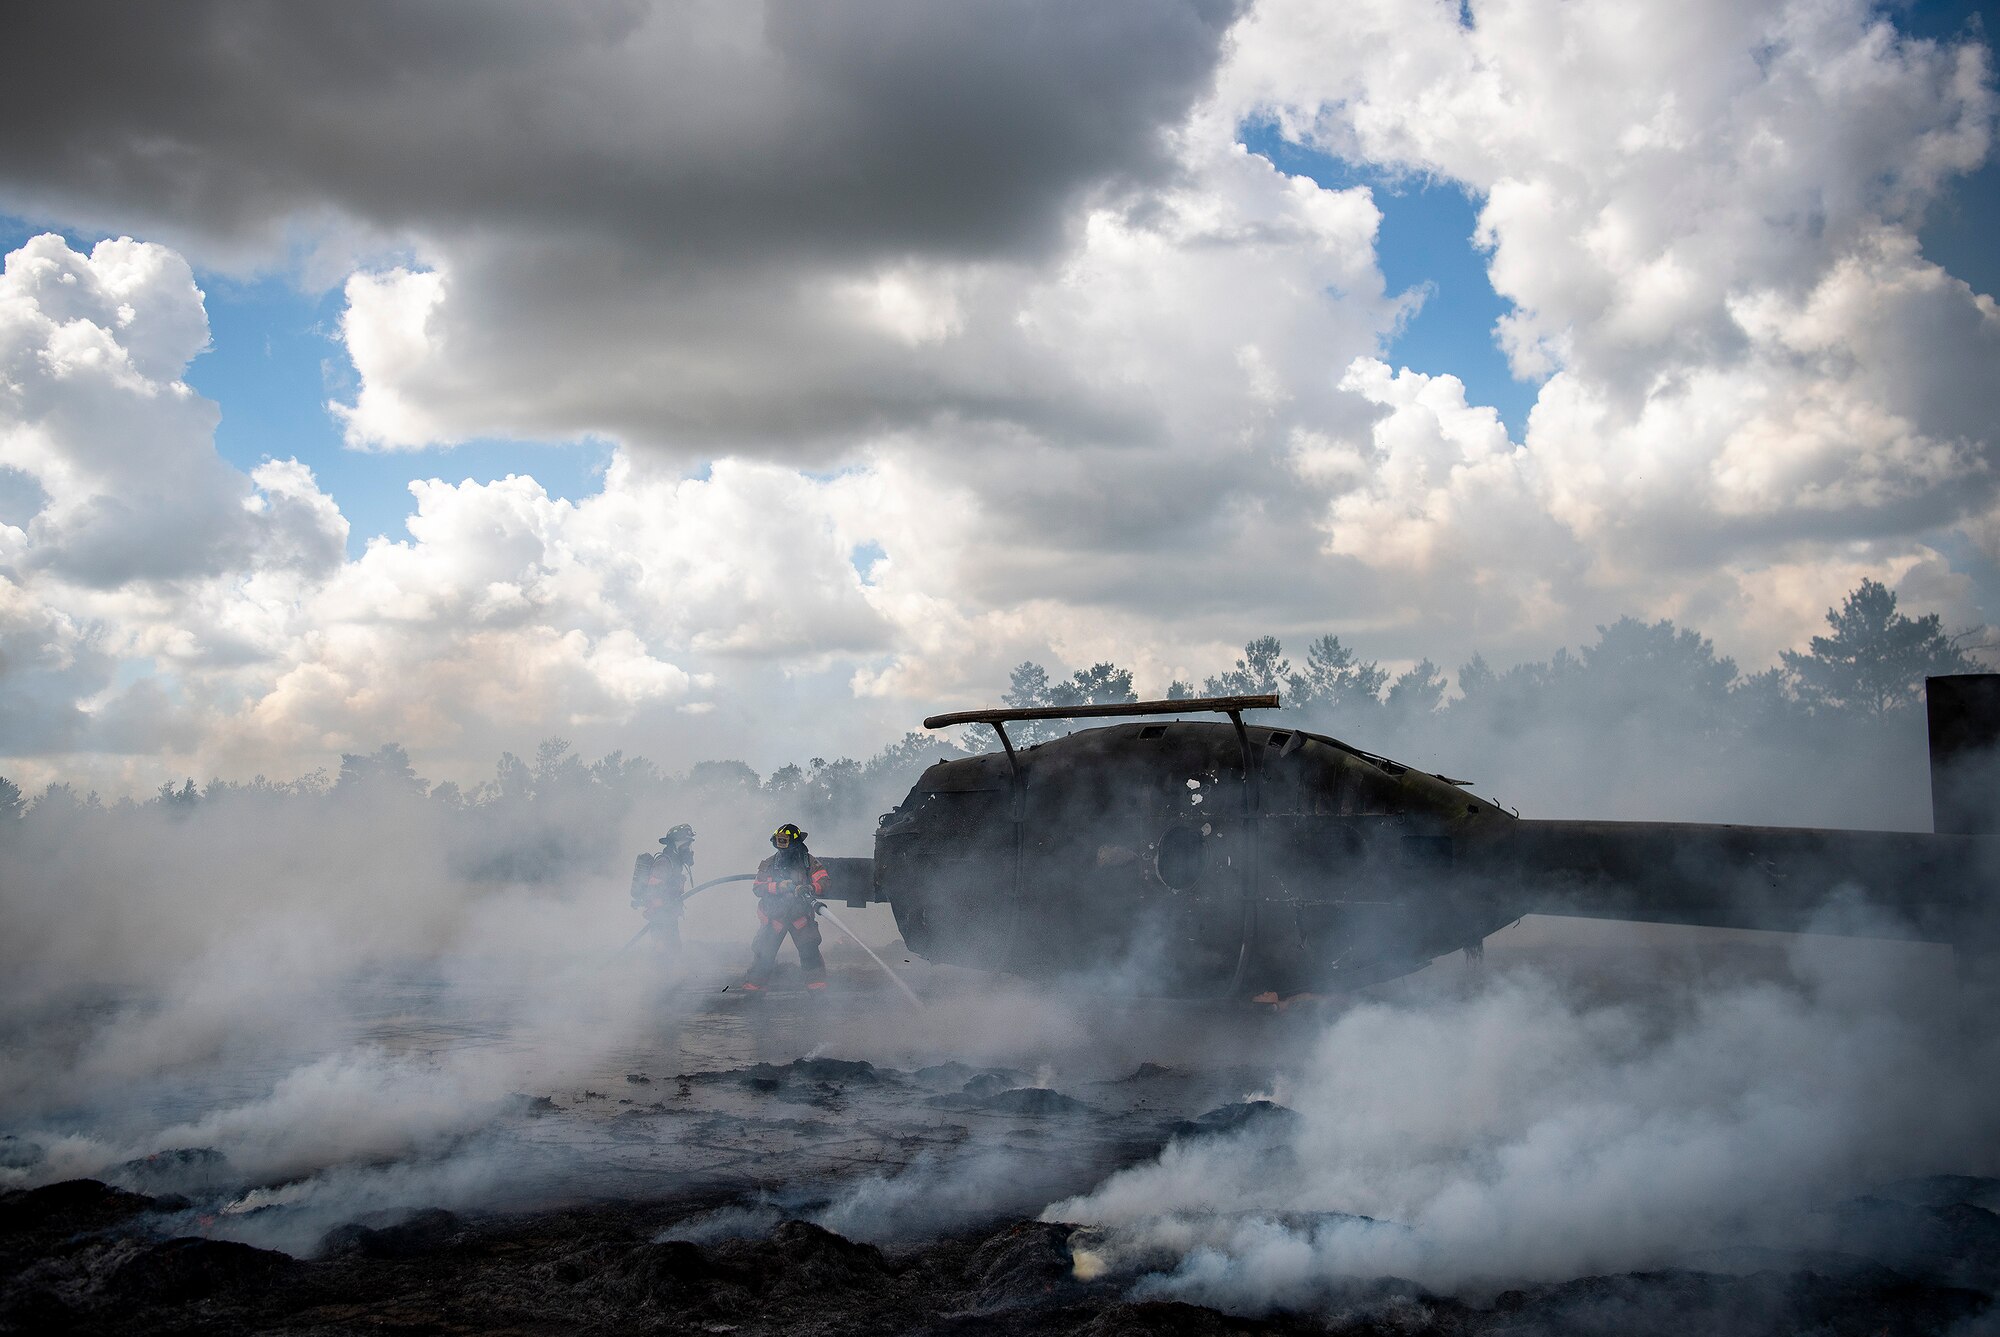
<point>297,978</point>
<point>1536,1128</point>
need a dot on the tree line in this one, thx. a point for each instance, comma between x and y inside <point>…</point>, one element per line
<point>539,816</point>
<point>1871,663</point>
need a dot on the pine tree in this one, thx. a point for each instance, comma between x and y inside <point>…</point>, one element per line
<point>1028,689</point>
<point>1104,685</point>
<point>1262,669</point>
<point>1334,680</point>
<point>1876,660</point>
<point>387,770</point>
<point>1417,694</point>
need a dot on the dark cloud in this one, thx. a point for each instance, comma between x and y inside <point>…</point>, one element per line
<point>830,129</point>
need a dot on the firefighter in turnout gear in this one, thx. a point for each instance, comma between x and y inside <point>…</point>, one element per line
<point>660,884</point>
<point>788,886</point>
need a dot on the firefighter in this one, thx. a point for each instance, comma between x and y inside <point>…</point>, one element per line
<point>788,886</point>
<point>660,883</point>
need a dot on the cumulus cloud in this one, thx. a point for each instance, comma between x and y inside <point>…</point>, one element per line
<point>1704,222</point>
<point>128,520</point>
<point>155,599</point>
<point>219,623</point>
<point>1192,310</point>
<point>1704,227</point>
<point>508,604</point>
<point>1435,486</point>
<point>94,414</point>
<point>1103,436</point>
<point>804,128</point>
<point>996,296</point>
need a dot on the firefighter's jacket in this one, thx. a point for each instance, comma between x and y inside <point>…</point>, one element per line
<point>659,881</point>
<point>787,888</point>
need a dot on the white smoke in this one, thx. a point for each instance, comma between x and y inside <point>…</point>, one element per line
<point>1533,1129</point>
<point>312,984</point>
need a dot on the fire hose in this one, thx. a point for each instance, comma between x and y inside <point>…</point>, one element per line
<point>819,907</point>
<point>687,896</point>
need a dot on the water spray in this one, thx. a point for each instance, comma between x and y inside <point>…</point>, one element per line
<point>908,992</point>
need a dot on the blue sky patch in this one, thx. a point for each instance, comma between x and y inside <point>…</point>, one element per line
<point>864,557</point>
<point>1425,242</point>
<point>274,362</point>
<point>1958,229</point>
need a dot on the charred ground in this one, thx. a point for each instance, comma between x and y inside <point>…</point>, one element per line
<point>84,1257</point>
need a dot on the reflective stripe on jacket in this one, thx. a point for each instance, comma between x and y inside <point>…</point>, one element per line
<point>778,881</point>
<point>771,878</point>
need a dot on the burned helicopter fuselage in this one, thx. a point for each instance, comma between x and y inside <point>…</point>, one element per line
<point>1184,857</point>
<point>1196,858</point>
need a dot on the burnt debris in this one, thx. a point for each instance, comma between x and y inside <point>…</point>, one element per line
<point>89,1258</point>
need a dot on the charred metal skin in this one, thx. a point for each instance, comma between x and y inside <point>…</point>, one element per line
<point>1195,858</point>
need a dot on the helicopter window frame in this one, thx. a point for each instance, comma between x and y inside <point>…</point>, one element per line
<point>1180,860</point>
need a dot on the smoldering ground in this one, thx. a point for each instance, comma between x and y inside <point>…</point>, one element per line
<point>1732,1110</point>
<point>1531,1129</point>
<point>285,1035</point>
